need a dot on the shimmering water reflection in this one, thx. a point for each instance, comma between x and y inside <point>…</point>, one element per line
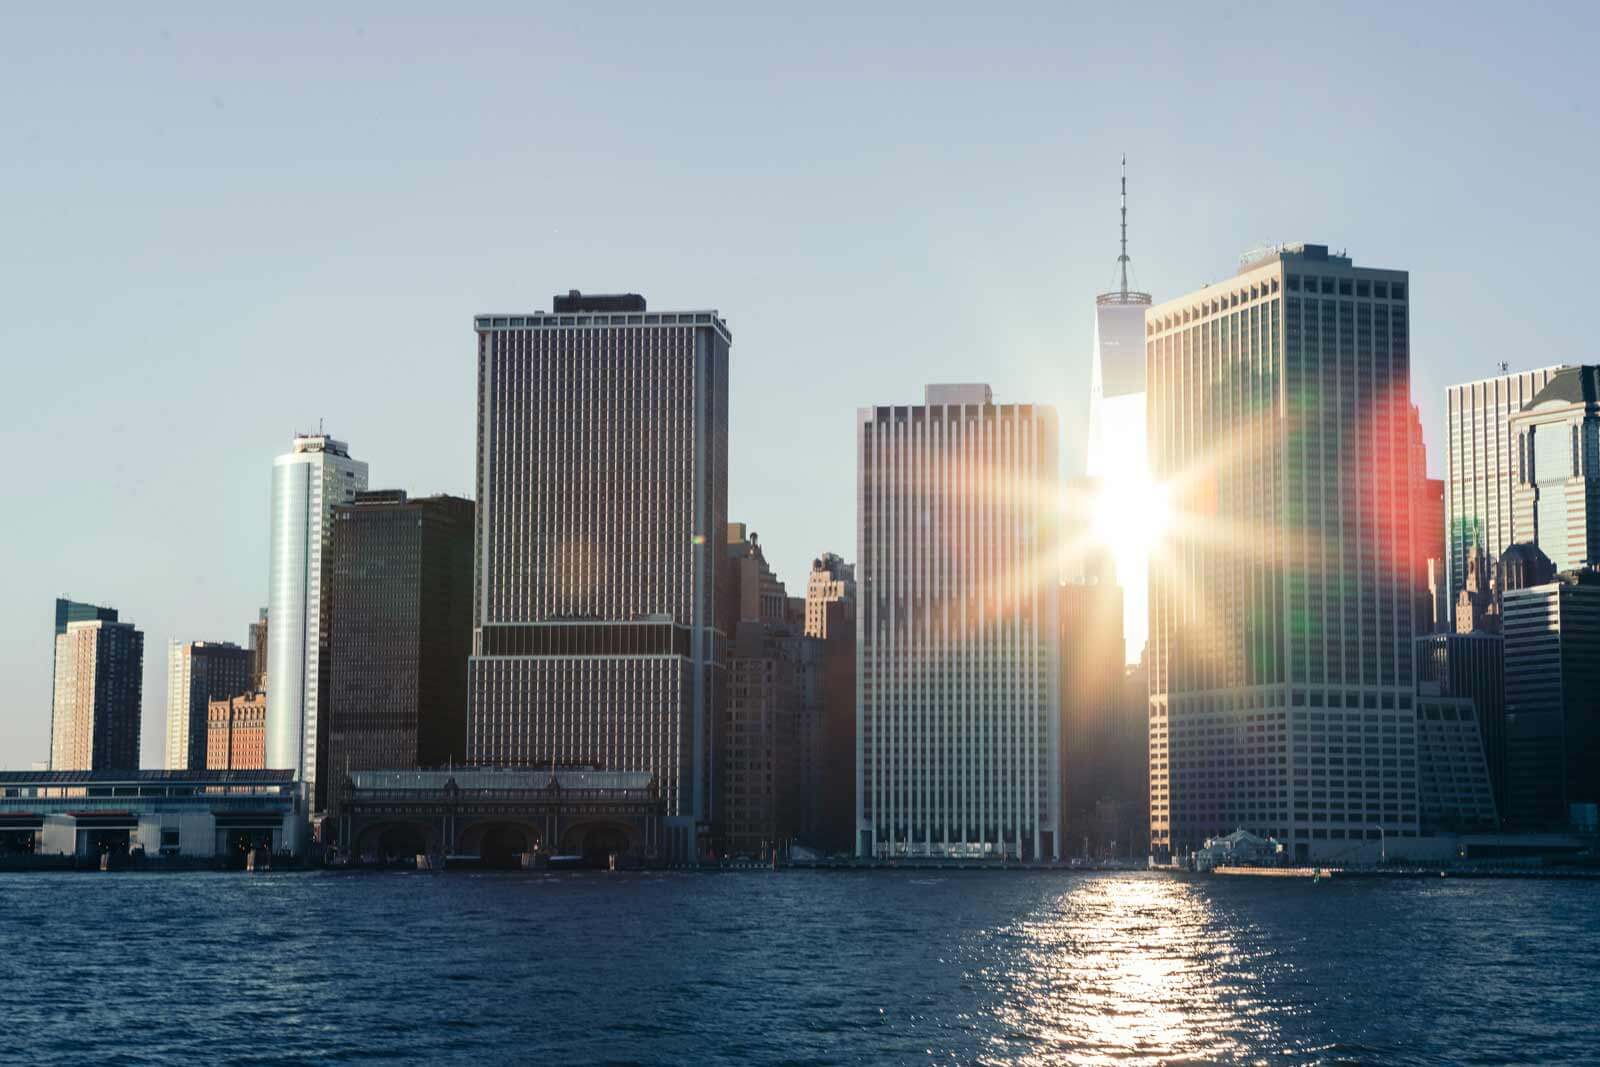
<point>794,967</point>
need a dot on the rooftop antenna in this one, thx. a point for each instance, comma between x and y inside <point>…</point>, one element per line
<point>1123,259</point>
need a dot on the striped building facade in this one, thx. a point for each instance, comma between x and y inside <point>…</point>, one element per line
<point>602,498</point>
<point>958,709</point>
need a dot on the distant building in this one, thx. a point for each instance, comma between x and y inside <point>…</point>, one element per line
<point>958,728</point>
<point>1471,667</point>
<point>236,733</point>
<point>831,579</point>
<point>99,682</point>
<point>602,499</point>
<point>759,744</point>
<point>1556,495</point>
<point>307,482</point>
<point>88,814</point>
<point>1477,606</point>
<point>1427,532</point>
<point>199,672</point>
<point>1552,665</point>
<point>1481,465</point>
<point>1281,629</point>
<point>68,611</point>
<point>400,633</point>
<point>258,651</point>
<point>828,733</point>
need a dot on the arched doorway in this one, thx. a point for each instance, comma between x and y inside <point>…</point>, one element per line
<point>595,842</point>
<point>392,842</point>
<point>502,844</point>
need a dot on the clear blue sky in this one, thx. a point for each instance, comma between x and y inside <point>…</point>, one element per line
<point>218,230</point>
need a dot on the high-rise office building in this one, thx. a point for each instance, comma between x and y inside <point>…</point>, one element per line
<point>258,651</point>
<point>1552,671</point>
<point>307,482</point>
<point>1556,493</point>
<point>602,497</point>
<point>1118,462</point>
<point>199,672</point>
<point>959,713</point>
<point>68,611</point>
<point>831,579</point>
<point>99,682</point>
<point>401,632</point>
<point>1481,467</point>
<point>1281,687</point>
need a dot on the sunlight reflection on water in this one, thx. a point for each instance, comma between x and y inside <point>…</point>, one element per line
<point>1134,969</point>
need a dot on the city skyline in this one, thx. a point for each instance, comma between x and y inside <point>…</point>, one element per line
<point>315,261</point>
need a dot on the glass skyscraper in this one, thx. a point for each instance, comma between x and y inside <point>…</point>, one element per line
<point>307,482</point>
<point>1281,619</point>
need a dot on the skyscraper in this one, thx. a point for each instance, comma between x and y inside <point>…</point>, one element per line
<point>1481,467</point>
<point>1281,688</point>
<point>759,738</point>
<point>1552,671</point>
<point>199,672</point>
<point>69,611</point>
<point>602,497</point>
<point>401,633</point>
<point>1556,488</point>
<point>1118,460</point>
<point>958,726</point>
<point>307,482</point>
<point>99,682</point>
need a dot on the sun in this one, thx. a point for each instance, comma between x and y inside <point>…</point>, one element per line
<point>1130,516</point>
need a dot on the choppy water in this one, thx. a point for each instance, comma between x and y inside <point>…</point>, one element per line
<point>793,967</point>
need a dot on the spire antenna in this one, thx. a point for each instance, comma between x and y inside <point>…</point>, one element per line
<point>1123,259</point>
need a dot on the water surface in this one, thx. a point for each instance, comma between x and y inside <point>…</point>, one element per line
<point>794,968</point>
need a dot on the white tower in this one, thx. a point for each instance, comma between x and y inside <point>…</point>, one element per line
<point>1118,456</point>
<point>307,482</point>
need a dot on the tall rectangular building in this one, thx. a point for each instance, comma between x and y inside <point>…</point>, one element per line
<point>1481,468</point>
<point>1552,664</point>
<point>199,672</point>
<point>316,474</point>
<point>69,611</point>
<point>99,683</point>
<point>959,722</point>
<point>1556,487</point>
<point>602,498</point>
<point>401,633</point>
<point>1281,675</point>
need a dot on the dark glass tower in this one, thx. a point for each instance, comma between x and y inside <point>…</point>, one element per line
<point>401,632</point>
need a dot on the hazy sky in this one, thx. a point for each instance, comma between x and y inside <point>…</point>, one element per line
<point>219,230</point>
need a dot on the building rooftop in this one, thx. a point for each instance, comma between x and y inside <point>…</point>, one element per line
<point>316,442</point>
<point>145,777</point>
<point>600,316</point>
<point>503,778</point>
<point>1570,385</point>
<point>957,393</point>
